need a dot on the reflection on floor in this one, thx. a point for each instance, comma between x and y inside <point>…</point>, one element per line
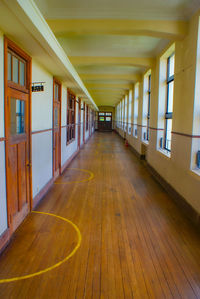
<point>135,242</point>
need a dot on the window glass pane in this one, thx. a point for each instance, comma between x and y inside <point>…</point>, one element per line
<point>22,73</point>
<point>108,113</point>
<point>101,118</point>
<point>17,116</point>
<point>171,65</point>
<point>9,66</point>
<point>101,113</point>
<point>108,118</point>
<point>15,69</point>
<point>55,117</point>
<point>170,96</point>
<point>56,91</point>
<point>168,133</point>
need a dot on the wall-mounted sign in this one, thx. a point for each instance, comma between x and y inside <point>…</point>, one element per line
<point>38,86</point>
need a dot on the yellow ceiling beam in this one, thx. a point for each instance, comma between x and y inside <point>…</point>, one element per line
<point>168,29</point>
<point>118,77</point>
<point>107,92</point>
<point>106,86</point>
<point>97,60</point>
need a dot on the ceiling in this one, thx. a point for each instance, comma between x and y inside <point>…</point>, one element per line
<point>112,42</point>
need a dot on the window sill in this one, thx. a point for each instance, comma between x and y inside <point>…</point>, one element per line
<point>196,172</point>
<point>71,141</point>
<point>164,152</point>
<point>146,142</point>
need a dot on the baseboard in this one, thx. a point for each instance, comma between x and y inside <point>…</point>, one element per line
<point>4,240</point>
<point>181,202</point>
<point>66,164</point>
<point>42,193</point>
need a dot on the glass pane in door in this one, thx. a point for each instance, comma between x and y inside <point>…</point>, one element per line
<point>17,116</point>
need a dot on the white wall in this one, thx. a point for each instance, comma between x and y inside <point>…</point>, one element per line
<point>42,114</point>
<point>176,168</point>
<point>42,164</point>
<point>3,204</point>
<point>1,85</point>
<point>86,132</point>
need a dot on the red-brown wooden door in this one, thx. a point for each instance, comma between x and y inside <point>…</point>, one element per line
<point>56,129</point>
<point>18,165</point>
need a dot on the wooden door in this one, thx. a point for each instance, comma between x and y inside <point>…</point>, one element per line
<point>79,123</point>
<point>56,128</point>
<point>18,165</point>
<point>105,121</point>
<point>17,91</point>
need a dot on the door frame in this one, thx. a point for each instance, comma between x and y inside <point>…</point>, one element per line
<point>8,44</point>
<point>104,119</point>
<point>56,81</point>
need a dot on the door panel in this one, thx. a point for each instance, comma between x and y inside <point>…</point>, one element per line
<point>22,174</point>
<point>17,146</point>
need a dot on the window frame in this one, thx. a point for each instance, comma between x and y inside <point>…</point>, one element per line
<point>148,106</point>
<point>168,115</point>
<point>70,120</point>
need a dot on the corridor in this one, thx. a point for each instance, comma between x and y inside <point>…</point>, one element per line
<point>134,241</point>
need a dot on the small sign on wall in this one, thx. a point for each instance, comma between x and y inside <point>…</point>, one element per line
<point>38,86</point>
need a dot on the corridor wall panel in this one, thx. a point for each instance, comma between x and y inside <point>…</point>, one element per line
<point>1,85</point>
<point>41,160</point>
<point>42,103</point>
<point>3,204</point>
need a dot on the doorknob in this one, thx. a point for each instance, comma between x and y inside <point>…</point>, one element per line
<point>29,165</point>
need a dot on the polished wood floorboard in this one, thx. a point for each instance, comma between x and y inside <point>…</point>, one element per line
<point>135,241</point>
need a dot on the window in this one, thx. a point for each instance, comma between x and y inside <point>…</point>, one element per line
<point>120,114</point>
<point>87,117</point>
<point>169,102</point>
<point>122,118</point>
<point>130,111</point>
<point>136,101</point>
<point>16,69</point>
<point>125,112</point>
<point>148,106</point>
<point>71,110</point>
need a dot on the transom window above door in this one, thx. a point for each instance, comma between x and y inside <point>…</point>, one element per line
<point>16,69</point>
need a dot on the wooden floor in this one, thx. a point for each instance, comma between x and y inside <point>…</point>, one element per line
<point>135,241</point>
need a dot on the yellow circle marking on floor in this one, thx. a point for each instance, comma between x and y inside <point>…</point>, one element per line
<point>55,265</point>
<point>81,181</point>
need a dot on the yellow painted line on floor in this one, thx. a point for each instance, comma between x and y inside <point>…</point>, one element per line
<point>55,265</point>
<point>81,181</point>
